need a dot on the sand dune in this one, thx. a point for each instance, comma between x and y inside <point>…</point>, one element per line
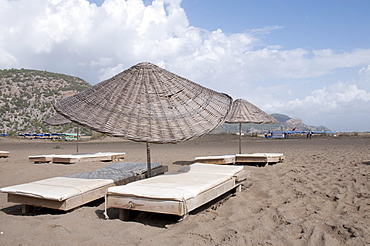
<point>320,195</point>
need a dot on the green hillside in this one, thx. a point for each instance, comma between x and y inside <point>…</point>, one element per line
<point>26,98</point>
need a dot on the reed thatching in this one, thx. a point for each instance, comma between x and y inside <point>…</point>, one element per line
<point>245,112</point>
<point>148,104</point>
<point>57,120</point>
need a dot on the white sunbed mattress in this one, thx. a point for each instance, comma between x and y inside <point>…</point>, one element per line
<point>185,184</point>
<point>58,188</point>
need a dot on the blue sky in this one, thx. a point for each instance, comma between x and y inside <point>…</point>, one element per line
<point>334,24</point>
<point>306,59</point>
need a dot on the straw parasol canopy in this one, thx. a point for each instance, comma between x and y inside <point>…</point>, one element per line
<point>245,112</point>
<point>149,104</point>
<point>58,120</point>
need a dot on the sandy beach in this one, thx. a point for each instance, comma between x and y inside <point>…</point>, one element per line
<point>320,195</point>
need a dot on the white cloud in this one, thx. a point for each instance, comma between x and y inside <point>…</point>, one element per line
<point>108,72</point>
<point>364,77</point>
<point>7,58</point>
<point>335,97</point>
<point>340,104</point>
<point>102,62</point>
<point>95,43</point>
<point>265,30</point>
<point>127,32</point>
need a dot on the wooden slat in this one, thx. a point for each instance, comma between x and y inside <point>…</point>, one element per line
<point>78,158</point>
<point>242,176</point>
<point>40,158</point>
<point>260,158</point>
<point>146,204</point>
<point>216,159</point>
<point>4,153</point>
<point>33,201</point>
<point>70,159</point>
<point>116,158</point>
<point>251,159</point>
<point>273,159</point>
<point>26,208</point>
<point>213,161</point>
<point>65,205</point>
<point>66,160</point>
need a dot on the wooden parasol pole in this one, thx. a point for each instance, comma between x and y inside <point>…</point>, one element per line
<point>240,138</point>
<point>78,133</point>
<point>149,166</point>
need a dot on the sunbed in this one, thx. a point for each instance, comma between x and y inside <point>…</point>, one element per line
<point>219,159</point>
<point>4,153</point>
<point>68,192</point>
<point>176,193</point>
<point>73,158</point>
<point>242,158</point>
<point>259,158</point>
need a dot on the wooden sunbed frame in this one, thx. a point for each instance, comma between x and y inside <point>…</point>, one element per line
<point>127,204</point>
<point>220,159</point>
<point>40,158</point>
<point>28,202</point>
<point>264,158</point>
<point>73,158</point>
<point>4,154</point>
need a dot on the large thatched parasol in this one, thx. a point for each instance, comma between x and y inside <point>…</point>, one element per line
<point>149,104</point>
<point>245,112</point>
<point>58,120</point>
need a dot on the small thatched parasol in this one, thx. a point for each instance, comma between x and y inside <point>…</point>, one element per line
<point>58,120</point>
<point>245,112</point>
<point>149,104</point>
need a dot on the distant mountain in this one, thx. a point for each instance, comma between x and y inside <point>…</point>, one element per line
<point>298,125</point>
<point>286,124</point>
<point>281,117</point>
<point>26,98</point>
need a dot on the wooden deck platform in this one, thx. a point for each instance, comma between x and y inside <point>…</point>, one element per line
<point>242,158</point>
<point>73,158</point>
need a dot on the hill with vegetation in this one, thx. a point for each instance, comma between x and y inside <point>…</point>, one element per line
<point>26,98</point>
